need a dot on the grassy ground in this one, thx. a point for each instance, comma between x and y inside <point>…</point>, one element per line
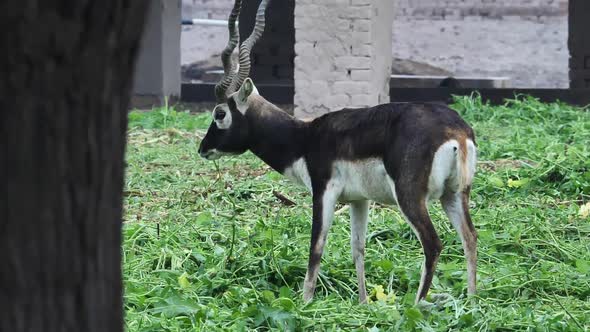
<point>209,247</point>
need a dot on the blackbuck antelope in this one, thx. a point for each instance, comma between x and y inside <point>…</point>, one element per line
<point>400,153</point>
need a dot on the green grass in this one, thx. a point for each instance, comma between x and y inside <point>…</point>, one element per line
<point>208,247</point>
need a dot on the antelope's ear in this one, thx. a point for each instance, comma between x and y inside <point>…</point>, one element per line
<point>246,90</point>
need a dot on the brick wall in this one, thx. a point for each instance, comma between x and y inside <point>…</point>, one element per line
<point>342,54</point>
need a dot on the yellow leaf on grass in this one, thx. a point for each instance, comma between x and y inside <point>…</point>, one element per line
<point>585,210</point>
<point>183,281</point>
<point>496,181</point>
<point>517,183</point>
<point>380,293</point>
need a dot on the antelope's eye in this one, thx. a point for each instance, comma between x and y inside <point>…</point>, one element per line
<point>219,115</point>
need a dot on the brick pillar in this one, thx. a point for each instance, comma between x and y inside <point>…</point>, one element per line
<point>342,54</point>
<point>579,43</point>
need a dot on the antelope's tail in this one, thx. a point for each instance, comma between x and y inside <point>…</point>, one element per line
<point>466,162</point>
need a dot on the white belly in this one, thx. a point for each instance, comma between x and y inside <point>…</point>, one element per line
<point>367,179</point>
<point>364,180</point>
<point>298,173</point>
<point>355,180</point>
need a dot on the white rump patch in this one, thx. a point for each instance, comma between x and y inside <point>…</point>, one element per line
<point>471,159</point>
<point>444,165</point>
<point>445,172</point>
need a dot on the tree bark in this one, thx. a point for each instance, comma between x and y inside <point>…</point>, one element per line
<point>66,71</point>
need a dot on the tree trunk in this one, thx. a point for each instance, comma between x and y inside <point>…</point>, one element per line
<point>66,71</point>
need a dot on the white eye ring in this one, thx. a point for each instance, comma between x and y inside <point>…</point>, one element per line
<point>225,121</point>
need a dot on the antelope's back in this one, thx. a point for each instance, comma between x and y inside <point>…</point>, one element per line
<point>352,134</point>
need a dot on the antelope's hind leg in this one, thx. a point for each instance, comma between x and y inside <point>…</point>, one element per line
<point>359,216</point>
<point>413,206</point>
<point>431,244</point>
<point>456,206</point>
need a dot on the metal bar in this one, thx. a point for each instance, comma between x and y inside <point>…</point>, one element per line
<point>471,78</point>
<point>204,21</point>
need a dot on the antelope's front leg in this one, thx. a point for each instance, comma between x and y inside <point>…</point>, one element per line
<point>359,216</point>
<point>323,212</point>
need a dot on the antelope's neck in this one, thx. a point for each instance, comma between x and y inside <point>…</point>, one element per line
<point>276,138</point>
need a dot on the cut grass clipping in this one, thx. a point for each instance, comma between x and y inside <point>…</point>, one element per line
<point>223,246</point>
